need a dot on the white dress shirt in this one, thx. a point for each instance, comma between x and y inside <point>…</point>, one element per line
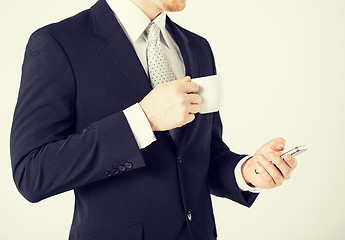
<point>134,23</point>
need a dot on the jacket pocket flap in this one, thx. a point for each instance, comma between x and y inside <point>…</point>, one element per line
<point>132,231</point>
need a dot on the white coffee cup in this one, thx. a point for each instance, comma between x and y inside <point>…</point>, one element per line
<point>211,92</point>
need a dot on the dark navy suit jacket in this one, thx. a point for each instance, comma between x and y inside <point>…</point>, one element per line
<point>69,132</point>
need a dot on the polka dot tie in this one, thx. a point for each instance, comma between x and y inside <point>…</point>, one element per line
<point>159,69</point>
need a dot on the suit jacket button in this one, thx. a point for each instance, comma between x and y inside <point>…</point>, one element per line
<point>189,216</point>
<point>179,159</point>
<point>122,168</point>
<point>128,165</point>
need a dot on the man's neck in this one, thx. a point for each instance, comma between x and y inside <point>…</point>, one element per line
<point>150,9</point>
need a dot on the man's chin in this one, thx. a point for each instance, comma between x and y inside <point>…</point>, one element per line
<point>175,6</point>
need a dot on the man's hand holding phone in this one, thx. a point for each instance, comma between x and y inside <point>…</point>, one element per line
<point>267,169</point>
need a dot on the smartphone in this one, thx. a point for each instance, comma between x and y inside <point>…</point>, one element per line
<point>295,151</point>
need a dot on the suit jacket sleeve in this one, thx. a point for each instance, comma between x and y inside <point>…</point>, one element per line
<point>222,181</point>
<point>48,156</point>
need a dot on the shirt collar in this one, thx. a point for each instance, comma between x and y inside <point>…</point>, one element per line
<point>134,20</point>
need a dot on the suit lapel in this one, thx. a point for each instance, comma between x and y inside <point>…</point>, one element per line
<point>118,50</point>
<point>192,69</point>
<point>190,59</point>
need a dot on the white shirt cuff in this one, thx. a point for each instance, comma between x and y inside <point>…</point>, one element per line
<point>240,179</point>
<point>139,125</point>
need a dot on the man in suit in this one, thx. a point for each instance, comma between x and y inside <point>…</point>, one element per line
<point>92,117</point>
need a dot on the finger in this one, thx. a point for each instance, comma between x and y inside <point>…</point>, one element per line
<point>179,83</point>
<point>279,163</point>
<point>291,161</point>
<point>190,87</point>
<point>194,108</point>
<point>264,175</point>
<point>277,144</point>
<point>271,169</point>
<point>185,79</point>
<point>194,98</point>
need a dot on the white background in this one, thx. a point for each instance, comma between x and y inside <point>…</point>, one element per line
<point>283,66</point>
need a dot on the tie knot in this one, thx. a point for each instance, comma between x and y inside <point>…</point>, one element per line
<point>153,32</point>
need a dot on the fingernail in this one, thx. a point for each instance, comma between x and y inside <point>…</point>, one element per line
<point>261,157</point>
<point>282,145</point>
<point>288,157</point>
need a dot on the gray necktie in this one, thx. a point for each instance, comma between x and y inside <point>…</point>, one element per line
<point>159,69</point>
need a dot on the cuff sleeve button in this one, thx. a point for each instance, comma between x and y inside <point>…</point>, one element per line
<point>122,168</point>
<point>115,171</point>
<point>128,165</point>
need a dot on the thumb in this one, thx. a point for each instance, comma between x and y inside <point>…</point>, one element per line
<point>185,79</point>
<point>277,144</point>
